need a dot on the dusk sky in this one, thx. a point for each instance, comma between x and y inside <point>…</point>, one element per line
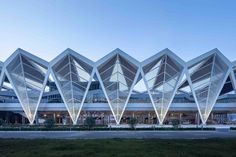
<point>140,28</point>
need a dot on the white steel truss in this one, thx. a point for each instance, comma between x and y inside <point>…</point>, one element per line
<point>73,74</point>
<point>1,66</point>
<point>28,76</point>
<point>1,74</point>
<point>206,75</point>
<point>162,74</point>
<point>233,75</point>
<point>117,73</point>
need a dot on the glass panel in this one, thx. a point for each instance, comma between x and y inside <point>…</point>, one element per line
<point>27,77</point>
<point>162,78</point>
<point>207,79</point>
<point>117,79</point>
<point>72,78</point>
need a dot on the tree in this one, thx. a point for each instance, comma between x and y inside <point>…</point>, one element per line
<point>175,123</point>
<point>2,122</point>
<point>132,122</point>
<point>89,122</point>
<point>49,123</point>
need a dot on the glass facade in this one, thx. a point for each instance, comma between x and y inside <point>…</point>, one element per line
<point>162,76</point>
<point>207,79</point>
<point>78,85</point>
<point>28,77</point>
<point>117,76</point>
<point>73,77</point>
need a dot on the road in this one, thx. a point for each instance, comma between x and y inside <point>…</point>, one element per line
<point>117,134</point>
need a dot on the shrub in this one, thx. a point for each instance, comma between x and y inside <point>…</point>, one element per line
<point>132,122</point>
<point>175,123</point>
<point>89,122</point>
<point>49,123</point>
<point>2,122</point>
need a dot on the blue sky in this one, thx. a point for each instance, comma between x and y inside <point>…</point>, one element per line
<point>140,28</point>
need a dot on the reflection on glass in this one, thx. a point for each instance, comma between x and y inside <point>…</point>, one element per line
<point>27,77</point>
<point>117,76</point>
<point>72,76</point>
<point>162,76</point>
<point>207,77</point>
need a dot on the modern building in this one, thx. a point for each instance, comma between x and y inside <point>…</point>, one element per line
<point>117,87</point>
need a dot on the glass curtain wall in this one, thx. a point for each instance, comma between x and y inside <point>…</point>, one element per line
<point>162,76</point>
<point>207,77</point>
<point>117,76</point>
<point>73,77</point>
<point>27,77</point>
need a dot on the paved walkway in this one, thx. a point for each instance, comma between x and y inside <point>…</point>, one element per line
<point>117,134</point>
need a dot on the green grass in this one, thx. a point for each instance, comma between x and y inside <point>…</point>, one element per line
<point>117,148</point>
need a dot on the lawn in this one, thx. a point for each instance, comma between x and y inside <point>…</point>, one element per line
<point>117,148</point>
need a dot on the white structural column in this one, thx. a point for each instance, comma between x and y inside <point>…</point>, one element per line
<point>1,74</point>
<point>73,74</point>
<point>1,66</point>
<point>28,76</point>
<point>233,75</point>
<point>117,73</point>
<point>206,75</point>
<point>162,74</point>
